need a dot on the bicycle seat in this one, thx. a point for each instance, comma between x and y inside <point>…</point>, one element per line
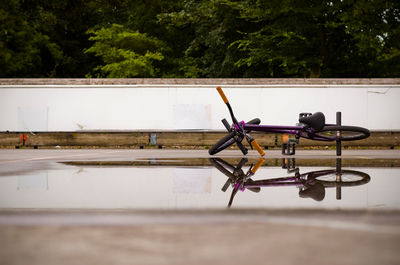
<point>315,191</point>
<point>315,121</point>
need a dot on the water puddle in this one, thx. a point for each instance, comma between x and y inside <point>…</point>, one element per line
<point>208,183</point>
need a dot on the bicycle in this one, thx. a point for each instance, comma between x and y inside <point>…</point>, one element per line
<point>311,184</point>
<point>310,126</point>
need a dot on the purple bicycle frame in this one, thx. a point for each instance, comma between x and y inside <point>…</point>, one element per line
<point>286,181</point>
<point>299,131</point>
<point>278,182</point>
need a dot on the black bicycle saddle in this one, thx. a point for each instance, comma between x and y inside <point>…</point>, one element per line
<point>315,121</point>
<point>315,191</point>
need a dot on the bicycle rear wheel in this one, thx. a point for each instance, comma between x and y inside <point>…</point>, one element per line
<point>329,178</point>
<point>341,133</point>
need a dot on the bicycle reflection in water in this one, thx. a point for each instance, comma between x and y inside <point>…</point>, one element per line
<point>311,184</point>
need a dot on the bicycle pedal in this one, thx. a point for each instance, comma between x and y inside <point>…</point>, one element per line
<point>226,124</point>
<point>290,165</point>
<point>289,148</point>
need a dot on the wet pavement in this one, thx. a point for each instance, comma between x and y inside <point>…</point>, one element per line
<point>113,179</point>
<point>180,206</point>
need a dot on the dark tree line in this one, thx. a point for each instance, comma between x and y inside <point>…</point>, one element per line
<point>202,38</point>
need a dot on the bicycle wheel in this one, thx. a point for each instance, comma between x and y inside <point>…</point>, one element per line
<point>222,166</point>
<point>223,143</point>
<point>329,178</point>
<point>228,140</point>
<point>342,133</point>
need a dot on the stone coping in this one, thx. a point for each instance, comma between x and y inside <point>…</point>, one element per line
<point>200,81</point>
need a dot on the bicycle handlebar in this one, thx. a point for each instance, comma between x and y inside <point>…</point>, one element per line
<point>222,94</point>
<point>239,127</point>
<point>257,166</point>
<point>257,147</point>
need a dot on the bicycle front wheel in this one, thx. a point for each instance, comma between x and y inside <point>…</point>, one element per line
<point>223,143</point>
<point>228,140</point>
<point>341,133</point>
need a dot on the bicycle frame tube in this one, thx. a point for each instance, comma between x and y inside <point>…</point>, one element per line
<point>273,128</point>
<point>299,131</point>
<point>286,181</point>
<point>289,181</point>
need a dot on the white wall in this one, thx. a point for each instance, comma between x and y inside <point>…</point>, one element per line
<point>170,107</point>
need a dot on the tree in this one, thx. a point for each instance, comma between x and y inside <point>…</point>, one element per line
<point>288,38</point>
<point>141,16</point>
<point>374,28</point>
<point>209,27</point>
<point>125,53</point>
<point>24,50</point>
<point>310,38</point>
<point>200,38</point>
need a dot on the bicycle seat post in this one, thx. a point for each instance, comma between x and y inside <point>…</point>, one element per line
<point>338,178</point>
<point>338,141</point>
<point>289,145</point>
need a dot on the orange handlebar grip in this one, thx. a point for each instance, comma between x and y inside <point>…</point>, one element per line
<point>257,166</point>
<point>257,147</point>
<point>222,94</point>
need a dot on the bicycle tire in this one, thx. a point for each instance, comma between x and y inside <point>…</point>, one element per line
<point>347,133</point>
<point>217,162</point>
<point>228,140</point>
<point>223,143</point>
<point>348,178</point>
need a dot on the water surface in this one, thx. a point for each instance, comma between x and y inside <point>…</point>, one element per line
<point>207,184</point>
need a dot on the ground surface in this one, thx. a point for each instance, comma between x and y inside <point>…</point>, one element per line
<point>250,236</point>
<point>14,161</point>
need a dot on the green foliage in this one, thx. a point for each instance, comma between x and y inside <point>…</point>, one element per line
<point>285,40</point>
<point>125,53</point>
<point>374,27</point>
<point>141,16</point>
<point>23,48</point>
<point>290,38</point>
<point>200,38</point>
<point>209,28</point>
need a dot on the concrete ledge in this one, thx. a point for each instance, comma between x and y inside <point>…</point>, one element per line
<point>201,81</point>
<point>170,139</point>
<point>268,162</point>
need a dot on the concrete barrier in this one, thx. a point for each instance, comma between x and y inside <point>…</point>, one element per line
<point>176,104</point>
<point>153,113</point>
<point>171,139</point>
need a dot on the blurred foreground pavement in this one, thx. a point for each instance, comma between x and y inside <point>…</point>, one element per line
<point>199,237</point>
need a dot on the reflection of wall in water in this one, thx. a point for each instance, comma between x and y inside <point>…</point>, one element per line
<point>170,188</point>
<point>37,181</point>
<point>192,180</point>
